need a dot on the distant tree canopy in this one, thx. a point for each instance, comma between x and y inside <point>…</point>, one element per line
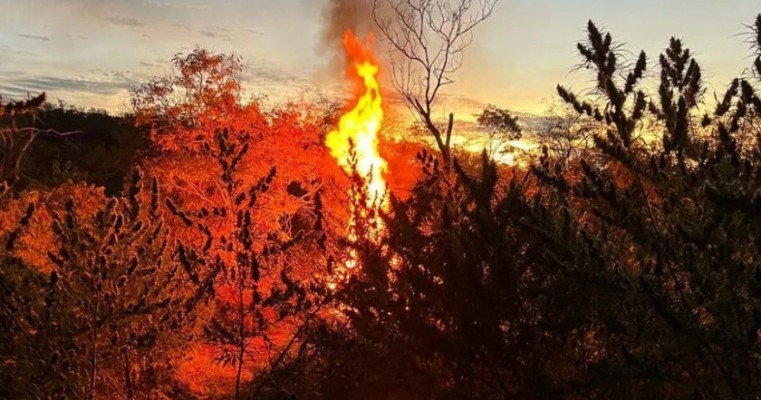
<point>500,125</point>
<point>500,121</point>
<point>92,146</point>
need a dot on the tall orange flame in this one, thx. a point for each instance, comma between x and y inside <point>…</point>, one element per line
<point>354,144</point>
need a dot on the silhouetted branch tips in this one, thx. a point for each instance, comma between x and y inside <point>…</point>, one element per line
<point>13,108</point>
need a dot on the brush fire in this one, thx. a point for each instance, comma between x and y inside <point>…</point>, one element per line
<point>354,145</point>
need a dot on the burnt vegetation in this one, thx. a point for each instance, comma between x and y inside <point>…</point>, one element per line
<point>183,251</point>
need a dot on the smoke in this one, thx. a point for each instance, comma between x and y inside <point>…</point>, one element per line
<point>338,16</point>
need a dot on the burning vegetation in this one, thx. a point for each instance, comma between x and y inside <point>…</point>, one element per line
<point>354,145</point>
<point>211,247</point>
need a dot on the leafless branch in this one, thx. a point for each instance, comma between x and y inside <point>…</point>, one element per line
<point>426,40</point>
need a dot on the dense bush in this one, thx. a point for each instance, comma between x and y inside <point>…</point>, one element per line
<point>631,272</point>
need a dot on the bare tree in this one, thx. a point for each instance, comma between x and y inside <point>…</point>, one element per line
<point>566,133</point>
<point>20,125</point>
<point>427,39</point>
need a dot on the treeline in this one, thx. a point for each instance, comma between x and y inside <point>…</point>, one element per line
<point>628,268</point>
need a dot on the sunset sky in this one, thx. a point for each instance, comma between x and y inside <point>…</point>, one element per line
<point>88,52</point>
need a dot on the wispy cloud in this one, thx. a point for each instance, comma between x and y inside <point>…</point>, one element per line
<point>125,21</point>
<point>34,37</point>
<point>219,32</point>
<point>270,74</point>
<point>215,34</point>
<point>103,83</point>
<point>193,5</point>
<point>153,64</point>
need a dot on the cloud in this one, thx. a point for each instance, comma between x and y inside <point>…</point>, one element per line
<point>215,34</point>
<point>16,53</point>
<point>125,21</point>
<point>101,83</point>
<point>218,32</point>
<point>270,74</point>
<point>460,102</point>
<point>273,81</point>
<point>34,37</point>
<point>192,5</point>
<point>154,64</point>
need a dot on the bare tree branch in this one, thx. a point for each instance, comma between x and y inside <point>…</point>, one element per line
<point>15,141</point>
<point>427,40</point>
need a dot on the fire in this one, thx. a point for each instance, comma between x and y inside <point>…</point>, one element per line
<point>354,144</point>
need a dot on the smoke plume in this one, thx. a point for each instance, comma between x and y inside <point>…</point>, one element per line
<point>338,16</point>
